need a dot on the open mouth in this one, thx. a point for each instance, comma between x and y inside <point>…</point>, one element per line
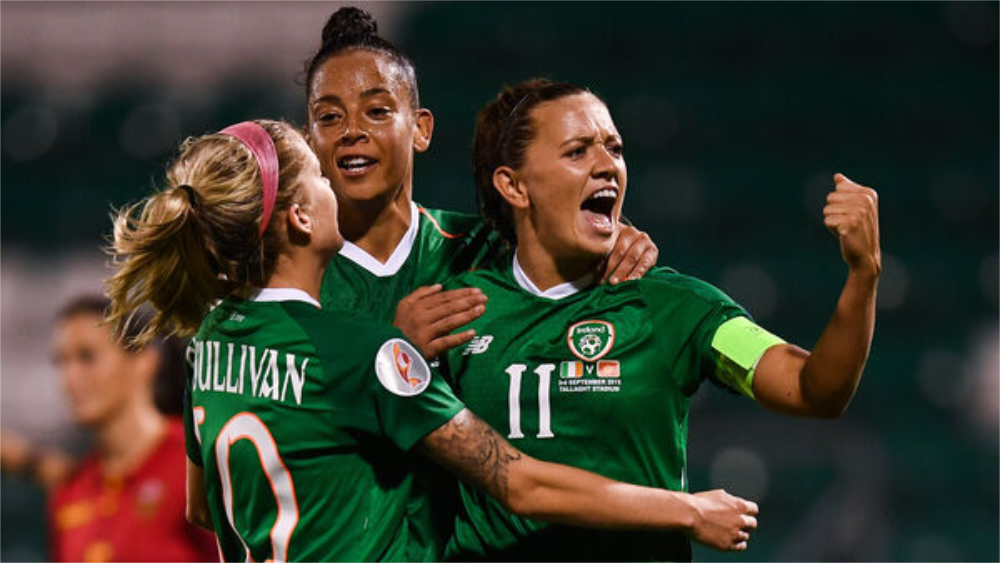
<point>599,208</point>
<point>355,165</point>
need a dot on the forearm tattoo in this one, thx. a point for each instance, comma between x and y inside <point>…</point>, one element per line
<point>471,449</point>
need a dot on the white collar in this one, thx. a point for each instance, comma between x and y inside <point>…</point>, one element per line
<point>285,294</point>
<point>355,254</point>
<point>555,292</point>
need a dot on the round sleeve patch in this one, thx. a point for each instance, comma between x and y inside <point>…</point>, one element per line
<point>401,369</point>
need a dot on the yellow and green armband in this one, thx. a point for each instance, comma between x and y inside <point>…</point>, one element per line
<point>740,344</point>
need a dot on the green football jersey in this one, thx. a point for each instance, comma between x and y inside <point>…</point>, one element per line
<point>301,420</point>
<point>438,246</point>
<point>595,377</point>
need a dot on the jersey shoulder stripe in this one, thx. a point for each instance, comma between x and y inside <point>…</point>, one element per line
<point>437,226</point>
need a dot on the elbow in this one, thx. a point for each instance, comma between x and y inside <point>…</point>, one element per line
<point>521,501</point>
<point>198,517</point>
<point>830,409</point>
<point>525,496</point>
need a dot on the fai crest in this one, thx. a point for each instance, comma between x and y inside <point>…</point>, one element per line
<point>591,340</point>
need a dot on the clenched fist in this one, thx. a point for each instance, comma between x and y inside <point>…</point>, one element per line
<point>851,213</point>
<point>723,520</point>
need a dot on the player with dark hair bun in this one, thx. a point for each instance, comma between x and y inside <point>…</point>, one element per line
<point>353,28</point>
<point>601,377</point>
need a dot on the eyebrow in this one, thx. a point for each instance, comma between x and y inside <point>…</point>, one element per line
<point>373,91</point>
<point>585,139</point>
<point>588,139</point>
<point>335,99</point>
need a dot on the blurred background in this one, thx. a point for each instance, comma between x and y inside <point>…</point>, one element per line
<point>734,115</point>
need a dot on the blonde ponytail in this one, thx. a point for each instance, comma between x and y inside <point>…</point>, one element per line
<point>197,241</point>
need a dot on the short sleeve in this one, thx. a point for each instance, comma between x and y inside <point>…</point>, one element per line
<point>411,399</point>
<point>711,363</point>
<point>687,314</point>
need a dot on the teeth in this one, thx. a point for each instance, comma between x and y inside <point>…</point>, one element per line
<point>355,162</point>
<point>608,192</point>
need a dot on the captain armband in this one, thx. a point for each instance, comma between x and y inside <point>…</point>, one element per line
<point>740,344</point>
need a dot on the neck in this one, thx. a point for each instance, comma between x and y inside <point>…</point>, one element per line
<point>546,270</point>
<point>376,226</point>
<point>300,269</point>
<point>126,439</point>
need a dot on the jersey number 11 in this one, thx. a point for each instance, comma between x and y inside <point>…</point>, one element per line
<point>544,372</point>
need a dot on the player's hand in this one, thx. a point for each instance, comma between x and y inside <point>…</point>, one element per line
<point>16,453</point>
<point>851,213</point>
<point>633,255</point>
<point>428,315</point>
<point>723,521</point>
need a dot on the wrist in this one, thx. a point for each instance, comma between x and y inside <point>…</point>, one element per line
<point>867,274</point>
<point>689,512</point>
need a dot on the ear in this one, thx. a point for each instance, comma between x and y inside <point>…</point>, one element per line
<point>506,181</point>
<point>299,221</point>
<point>424,123</point>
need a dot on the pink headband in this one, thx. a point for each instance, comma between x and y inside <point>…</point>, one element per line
<point>261,145</point>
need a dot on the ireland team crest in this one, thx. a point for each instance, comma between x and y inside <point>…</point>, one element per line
<point>591,340</point>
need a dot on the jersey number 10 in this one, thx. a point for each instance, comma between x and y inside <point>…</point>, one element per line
<point>246,426</point>
<point>544,373</point>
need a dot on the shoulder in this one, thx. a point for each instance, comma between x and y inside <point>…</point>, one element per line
<point>495,274</point>
<point>333,333</point>
<point>453,228</point>
<point>450,223</point>
<point>83,480</point>
<point>663,283</point>
<point>174,438</point>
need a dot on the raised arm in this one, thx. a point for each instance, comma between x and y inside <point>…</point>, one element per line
<point>472,450</point>
<point>822,383</point>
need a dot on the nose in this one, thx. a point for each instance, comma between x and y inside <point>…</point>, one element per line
<point>353,132</point>
<point>69,375</point>
<point>606,165</point>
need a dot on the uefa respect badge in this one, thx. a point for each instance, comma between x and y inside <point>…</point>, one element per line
<point>401,369</point>
<point>591,340</point>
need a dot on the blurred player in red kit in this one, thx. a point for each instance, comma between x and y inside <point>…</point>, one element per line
<point>125,500</point>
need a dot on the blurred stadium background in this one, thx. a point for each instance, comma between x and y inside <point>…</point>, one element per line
<point>734,116</point>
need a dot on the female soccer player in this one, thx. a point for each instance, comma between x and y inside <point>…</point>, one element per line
<point>365,123</point>
<point>600,377</point>
<point>124,502</point>
<point>301,417</point>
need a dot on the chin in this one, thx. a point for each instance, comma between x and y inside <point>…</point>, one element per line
<point>599,246</point>
<point>86,417</point>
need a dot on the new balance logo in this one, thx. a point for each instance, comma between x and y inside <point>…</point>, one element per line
<point>478,345</point>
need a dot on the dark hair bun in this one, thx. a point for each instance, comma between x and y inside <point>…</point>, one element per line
<point>348,25</point>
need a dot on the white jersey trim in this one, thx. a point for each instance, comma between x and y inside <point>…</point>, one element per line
<point>355,254</point>
<point>285,294</point>
<point>556,292</point>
